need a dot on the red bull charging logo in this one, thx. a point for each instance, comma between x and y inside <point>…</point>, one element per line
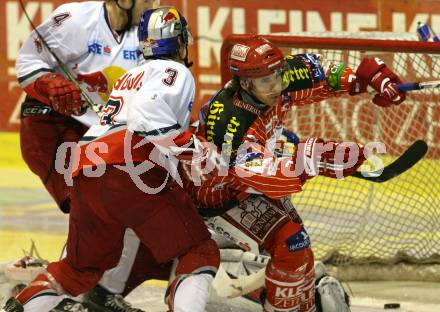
<point>101,82</point>
<point>171,16</point>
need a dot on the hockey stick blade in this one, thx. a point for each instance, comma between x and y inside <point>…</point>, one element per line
<point>411,86</point>
<point>408,159</point>
<point>227,287</point>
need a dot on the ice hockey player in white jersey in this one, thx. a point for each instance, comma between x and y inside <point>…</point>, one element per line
<point>97,42</point>
<point>150,104</point>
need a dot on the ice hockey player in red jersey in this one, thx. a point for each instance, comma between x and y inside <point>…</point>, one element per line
<point>148,104</point>
<point>247,196</point>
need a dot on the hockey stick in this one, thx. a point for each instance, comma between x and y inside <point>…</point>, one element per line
<point>94,106</point>
<point>408,159</point>
<point>240,273</point>
<point>411,86</point>
<point>225,286</point>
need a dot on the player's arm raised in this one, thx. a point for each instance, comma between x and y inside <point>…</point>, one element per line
<point>338,79</point>
<point>308,81</point>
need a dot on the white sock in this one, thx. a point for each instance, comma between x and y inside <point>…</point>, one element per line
<point>192,294</point>
<point>114,280</point>
<point>43,303</point>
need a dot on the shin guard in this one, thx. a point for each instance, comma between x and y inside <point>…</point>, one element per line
<point>290,274</point>
<point>283,289</point>
<point>308,292</point>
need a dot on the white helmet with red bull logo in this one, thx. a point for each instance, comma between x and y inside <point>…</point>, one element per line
<point>159,30</point>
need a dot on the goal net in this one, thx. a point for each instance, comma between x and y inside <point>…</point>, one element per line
<point>355,221</point>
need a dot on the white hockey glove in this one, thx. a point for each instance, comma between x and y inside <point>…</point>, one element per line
<point>199,159</point>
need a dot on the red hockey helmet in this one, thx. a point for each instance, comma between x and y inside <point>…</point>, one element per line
<point>256,57</point>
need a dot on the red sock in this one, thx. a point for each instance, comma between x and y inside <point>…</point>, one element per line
<point>42,283</point>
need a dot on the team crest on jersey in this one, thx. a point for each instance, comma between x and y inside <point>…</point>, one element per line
<point>286,103</point>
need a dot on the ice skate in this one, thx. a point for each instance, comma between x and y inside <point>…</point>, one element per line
<point>101,300</point>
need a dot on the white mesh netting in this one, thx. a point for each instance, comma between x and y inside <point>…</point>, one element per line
<point>355,221</point>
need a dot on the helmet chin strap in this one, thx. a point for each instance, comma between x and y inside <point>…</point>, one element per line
<point>129,15</point>
<point>185,60</point>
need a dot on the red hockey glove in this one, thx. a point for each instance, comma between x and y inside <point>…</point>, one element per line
<point>373,72</point>
<point>335,160</point>
<point>62,95</point>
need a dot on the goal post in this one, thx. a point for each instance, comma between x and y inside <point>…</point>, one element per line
<point>359,222</point>
<point>346,42</point>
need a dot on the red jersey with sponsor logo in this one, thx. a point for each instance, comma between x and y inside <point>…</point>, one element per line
<point>232,118</point>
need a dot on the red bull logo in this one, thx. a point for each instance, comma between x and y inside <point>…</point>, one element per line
<point>101,82</point>
<point>96,82</point>
<point>151,43</point>
<point>170,17</point>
